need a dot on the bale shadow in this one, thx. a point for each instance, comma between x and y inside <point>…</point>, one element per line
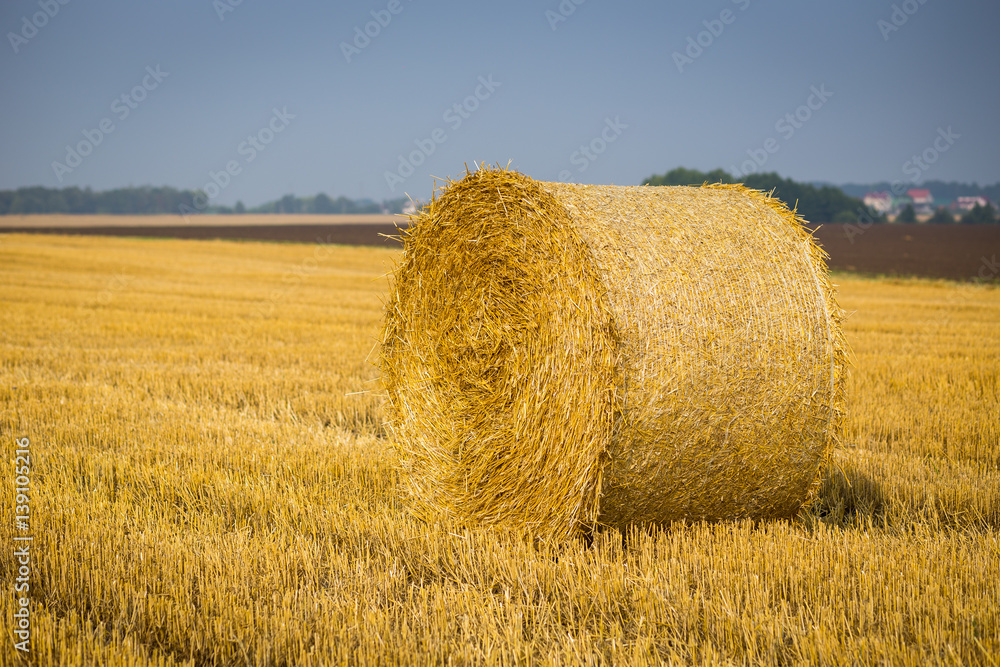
<point>848,497</point>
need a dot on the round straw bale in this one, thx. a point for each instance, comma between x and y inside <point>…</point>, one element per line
<point>557,356</point>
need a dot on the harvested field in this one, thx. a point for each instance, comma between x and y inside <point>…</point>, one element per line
<point>211,484</point>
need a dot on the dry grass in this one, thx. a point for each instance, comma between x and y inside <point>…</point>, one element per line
<point>206,492</point>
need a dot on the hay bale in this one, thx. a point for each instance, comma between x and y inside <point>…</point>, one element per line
<point>559,355</point>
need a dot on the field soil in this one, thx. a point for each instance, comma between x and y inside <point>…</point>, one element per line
<point>957,252</point>
<point>356,230</point>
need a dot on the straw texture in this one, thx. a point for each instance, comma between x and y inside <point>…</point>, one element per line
<point>557,356</point>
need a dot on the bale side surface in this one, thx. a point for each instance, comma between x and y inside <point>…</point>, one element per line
<point>557,355</point>
<point>731,350</point>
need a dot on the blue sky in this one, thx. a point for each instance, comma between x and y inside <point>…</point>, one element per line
<point>596,92</point>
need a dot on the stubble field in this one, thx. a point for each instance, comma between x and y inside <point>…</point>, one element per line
<point>211,484</point>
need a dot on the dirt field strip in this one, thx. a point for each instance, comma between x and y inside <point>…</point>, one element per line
<point>956,252</point>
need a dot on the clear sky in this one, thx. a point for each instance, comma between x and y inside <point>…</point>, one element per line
<point>294,97</point>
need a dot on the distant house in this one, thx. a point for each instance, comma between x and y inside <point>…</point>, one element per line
<point>880,202</point>
<point>968,203</point>
<point>410,208</point>
<point>923,201</point>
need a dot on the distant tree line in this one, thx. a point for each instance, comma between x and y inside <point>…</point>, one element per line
<point>321,203</point>
<point>135,201</point>
<point>146,200</point>
<point>815,204</point>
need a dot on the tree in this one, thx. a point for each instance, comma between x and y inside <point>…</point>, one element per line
<point>147,199</point>
<point>908,214</point>
<point>980,215</point>
<point>682,176</point>
<point>37,200</point>
<point>823,204</point>
<point>941,217</point>
<point>395,205</point>
<point>80,201</point>
<point>322,203</point>
<point>288,204</point>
